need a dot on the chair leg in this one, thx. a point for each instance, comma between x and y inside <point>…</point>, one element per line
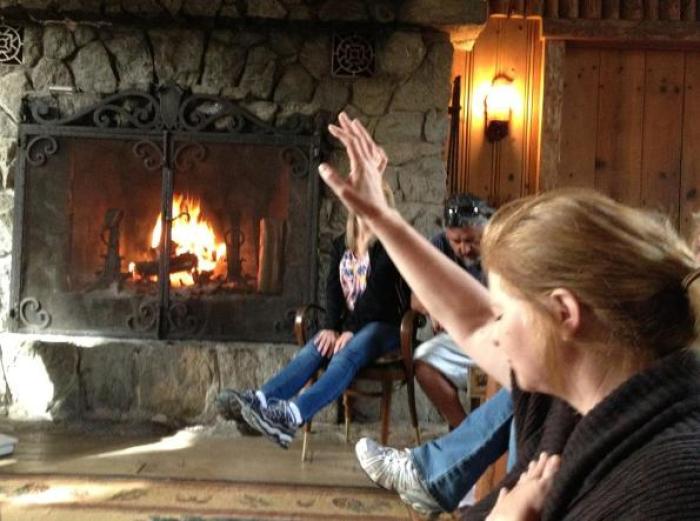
<point>386,410</point>
<point>411,391</point>
<point>346,415</point>
<point>305,442</point>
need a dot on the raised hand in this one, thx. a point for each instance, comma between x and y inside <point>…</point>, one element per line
<point>361,191</point>
<point>525,500</point>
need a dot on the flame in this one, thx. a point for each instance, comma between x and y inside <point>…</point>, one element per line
<point>191,233</point>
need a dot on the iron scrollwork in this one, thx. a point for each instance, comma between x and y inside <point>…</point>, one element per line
<point>353,56</point>
<point>145,318</point>
<point>32,315</point>
<point>297,160</point>
<point>181,320</point>
<point>128,109</point>
<point>39,149</point>
<point>150,153</point>
<point>188,154</point>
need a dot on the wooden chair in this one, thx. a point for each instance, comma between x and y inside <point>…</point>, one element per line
<point>386,370</point>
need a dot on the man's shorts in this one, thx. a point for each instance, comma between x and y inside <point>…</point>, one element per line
<point>447,357</point>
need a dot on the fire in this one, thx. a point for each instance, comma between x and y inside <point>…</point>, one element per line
<point>192,234</point>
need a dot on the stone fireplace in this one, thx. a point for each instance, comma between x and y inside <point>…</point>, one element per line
<point>108,312</point>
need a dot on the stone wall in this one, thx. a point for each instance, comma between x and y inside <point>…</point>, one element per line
<point>274,71</point>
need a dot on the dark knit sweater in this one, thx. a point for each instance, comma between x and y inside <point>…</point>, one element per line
<point>633,457</point>
<point>385,298</point>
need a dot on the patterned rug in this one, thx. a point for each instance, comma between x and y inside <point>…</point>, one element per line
<point>100,498</point>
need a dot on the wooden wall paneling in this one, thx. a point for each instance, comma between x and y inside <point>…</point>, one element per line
<point>688,10</point>
<point>670,9</point>
<point>516,8</point>
<point>690,158</point>
<point>618,163</point>
<point>481,157</point>
<point>551,9</point>
<point>591,9</point>
<point>579,117</point>
<point>461,66</point>
<point>568,8</point>
<point>631,9</point>
<point>651,9</point>
<point>498,7</point>
<point>534,8</point>
<point>611,9</point>
<point>512,61</point>
<point>534,100</point>
<point>552,104</point>
<point>661,144</point>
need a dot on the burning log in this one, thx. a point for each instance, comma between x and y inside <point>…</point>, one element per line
<point>182,262</point>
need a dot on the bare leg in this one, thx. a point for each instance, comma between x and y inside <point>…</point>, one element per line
<point>441,392</point>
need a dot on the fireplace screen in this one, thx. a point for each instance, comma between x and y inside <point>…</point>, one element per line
<point>165,216</point>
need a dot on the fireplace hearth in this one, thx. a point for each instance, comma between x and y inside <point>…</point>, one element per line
<point>164,215</point>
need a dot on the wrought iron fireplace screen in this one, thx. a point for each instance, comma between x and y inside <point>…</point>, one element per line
<point>163,215</point>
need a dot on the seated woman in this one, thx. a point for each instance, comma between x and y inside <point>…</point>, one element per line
<point>365,301</point>
<point>591,328</point>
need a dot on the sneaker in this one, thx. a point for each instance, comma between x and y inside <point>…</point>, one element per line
<point>230,401</point>
<point>394,470</point>
<point>228,404</point>
<point>275,421</point>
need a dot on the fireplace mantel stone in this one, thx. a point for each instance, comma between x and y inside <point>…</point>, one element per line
<point>429,13</point>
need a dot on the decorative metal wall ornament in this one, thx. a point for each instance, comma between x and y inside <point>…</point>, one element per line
<point>39,149</point>
<point>31,314</point>
<point>11,45</point>
<point>353,56</point>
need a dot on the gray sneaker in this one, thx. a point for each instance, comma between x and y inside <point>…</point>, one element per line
<point>275,421</point>
<point>228,404</point>
<point>393,469</point>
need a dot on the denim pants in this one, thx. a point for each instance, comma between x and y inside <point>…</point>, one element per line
<point>451,465</point>
<point>367,344</point>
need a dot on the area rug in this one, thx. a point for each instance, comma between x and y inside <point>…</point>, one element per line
<point>100,498</point>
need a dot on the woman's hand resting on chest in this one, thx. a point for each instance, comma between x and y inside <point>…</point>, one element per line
<point>525,500</point>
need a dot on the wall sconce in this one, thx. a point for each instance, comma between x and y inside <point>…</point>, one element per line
<point>498,107</point>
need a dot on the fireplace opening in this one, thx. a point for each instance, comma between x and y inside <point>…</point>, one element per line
<point>193,228</point>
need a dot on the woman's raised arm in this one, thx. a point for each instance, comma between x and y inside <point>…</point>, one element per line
<point>453,297</point>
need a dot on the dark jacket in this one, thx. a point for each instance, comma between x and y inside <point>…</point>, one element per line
<point>634,457</point>
<point>384,300</point>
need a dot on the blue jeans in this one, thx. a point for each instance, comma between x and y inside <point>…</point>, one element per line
<point>451,464</point>
<point>367,344</point>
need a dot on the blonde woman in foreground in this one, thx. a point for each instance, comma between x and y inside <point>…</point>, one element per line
<point>591,328</point>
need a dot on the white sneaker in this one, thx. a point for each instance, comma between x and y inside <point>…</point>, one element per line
<point>393,469</point>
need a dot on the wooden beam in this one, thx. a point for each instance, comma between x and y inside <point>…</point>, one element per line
<point>678,34</point>
<point>690,162</point>
<point>551,9</point>
<point>552,104</point>
<point>534,8</point>
<point>568,9</point>
<point>611,9</point>
<point>591,9</point>
<point>688,10</point>
<point>651,9</point>
<point>670,9</point>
